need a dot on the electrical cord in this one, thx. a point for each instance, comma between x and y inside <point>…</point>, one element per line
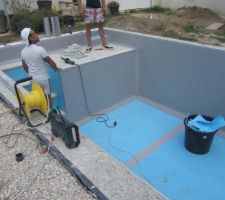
<point>31,126</point>
<point>17,137</point>
<point>127,152</point>
<point>17,133</point>
<point>88,191</point>
<point>77,180</point>
<point>21,134</point>
<point>39,171</point>
<point>9,136</point>
<point>104,118</point>
<point>42,122</point>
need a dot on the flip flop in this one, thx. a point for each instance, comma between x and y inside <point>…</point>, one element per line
<point>88,49</point>
<point>107,46</point>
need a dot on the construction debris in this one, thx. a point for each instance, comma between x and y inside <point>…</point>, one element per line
<point>215,26</point>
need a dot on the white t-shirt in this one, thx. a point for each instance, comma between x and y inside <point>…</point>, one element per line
<point>33,56</point>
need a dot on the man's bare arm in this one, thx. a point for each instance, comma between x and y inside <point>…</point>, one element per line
<point>51,63</point>
<point>25,67</point>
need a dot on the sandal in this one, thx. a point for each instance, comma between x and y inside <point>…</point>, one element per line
<point>108,46</point>
<point>88,49</point>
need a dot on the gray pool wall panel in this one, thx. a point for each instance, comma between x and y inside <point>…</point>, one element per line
<point>185,76</point>
<point>12,51</point>
<point>107,82</point>
<point>10,54</point>
<point>189,79</point>
<point>64,41</point>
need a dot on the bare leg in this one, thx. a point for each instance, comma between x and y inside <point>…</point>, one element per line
<point>102,33</point>
<point>50,101</point>
<point>88,34</point>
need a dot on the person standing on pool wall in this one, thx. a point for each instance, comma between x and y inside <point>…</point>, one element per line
<point>34,59</point>
<point>94,10</point>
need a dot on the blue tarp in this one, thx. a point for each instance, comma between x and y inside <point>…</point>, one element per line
<point>202,125</point>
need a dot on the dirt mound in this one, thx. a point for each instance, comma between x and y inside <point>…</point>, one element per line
<point>186,23</point>
<point>195,11</point>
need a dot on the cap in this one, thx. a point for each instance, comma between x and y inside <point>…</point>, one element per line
<point>25,34</point>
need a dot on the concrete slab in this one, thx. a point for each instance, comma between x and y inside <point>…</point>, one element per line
<point>97,53</point>
<point>215,26</point>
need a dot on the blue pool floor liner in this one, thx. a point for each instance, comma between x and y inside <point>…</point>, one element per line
<point>179,174</point>
<point>171,169</point>
<point>138,126</point>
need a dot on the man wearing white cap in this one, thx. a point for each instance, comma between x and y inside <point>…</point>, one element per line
<point>34,59</point>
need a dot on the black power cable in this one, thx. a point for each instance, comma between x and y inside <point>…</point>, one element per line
<point>17,134</point>
<point>100,116</point>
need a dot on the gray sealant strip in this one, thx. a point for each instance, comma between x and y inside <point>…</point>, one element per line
<point>153,147</point>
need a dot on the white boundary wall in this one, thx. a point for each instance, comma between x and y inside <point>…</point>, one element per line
<point>215,5</point>
<point>132,4</point>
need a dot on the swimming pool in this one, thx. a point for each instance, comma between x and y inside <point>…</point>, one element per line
<point>148,88</point>
<point>139,127</point>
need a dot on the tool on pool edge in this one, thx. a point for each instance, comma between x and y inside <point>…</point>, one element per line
<point>68,61</point>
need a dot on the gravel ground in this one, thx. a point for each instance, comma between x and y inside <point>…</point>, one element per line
<point>38,176</point>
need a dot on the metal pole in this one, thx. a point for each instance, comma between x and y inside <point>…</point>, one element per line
<point>7,15</point>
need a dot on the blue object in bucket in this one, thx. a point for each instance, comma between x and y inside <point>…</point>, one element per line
<point>205,126</point>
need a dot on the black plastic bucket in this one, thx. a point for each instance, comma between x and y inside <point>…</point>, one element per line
<point>195,141</point>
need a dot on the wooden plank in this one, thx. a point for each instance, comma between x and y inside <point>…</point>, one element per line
<point>215,26</point>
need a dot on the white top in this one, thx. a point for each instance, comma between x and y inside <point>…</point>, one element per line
<point>33,56</point>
